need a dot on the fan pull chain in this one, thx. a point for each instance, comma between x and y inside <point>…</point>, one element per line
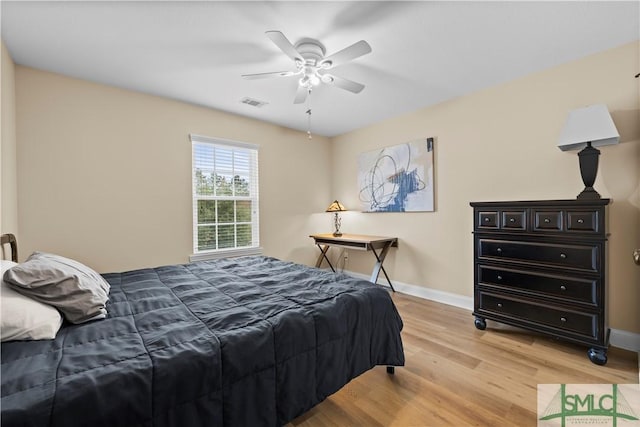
<point>309,115</point>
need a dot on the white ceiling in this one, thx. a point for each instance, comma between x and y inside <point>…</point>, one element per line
<point>423,53</point>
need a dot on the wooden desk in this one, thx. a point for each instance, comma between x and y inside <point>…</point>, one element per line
<point>358,242</point>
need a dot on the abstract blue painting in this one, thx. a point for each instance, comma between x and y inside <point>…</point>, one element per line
<point>397,178</point>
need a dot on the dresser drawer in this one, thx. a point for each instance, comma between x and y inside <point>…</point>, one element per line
<point>567,256</point>
<point>581,323</point>
<point>514,220</point>
<point>487,220</point>
<point>585,221</point>
<point>568,289</point>
<point>546,220</point>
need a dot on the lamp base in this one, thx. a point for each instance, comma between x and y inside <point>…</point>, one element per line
<point>589,194</point>
<point>588,159</point>
<point>336,224</point>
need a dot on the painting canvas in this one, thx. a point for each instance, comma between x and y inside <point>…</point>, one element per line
<point>397,178</point>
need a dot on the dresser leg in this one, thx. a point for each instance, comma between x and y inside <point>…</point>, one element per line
<point>391,370</point>
<point>598,356</point>
<point>480,323</point>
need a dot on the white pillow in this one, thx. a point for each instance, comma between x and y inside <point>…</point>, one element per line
<point>76,290</point>
<point>24,318</point>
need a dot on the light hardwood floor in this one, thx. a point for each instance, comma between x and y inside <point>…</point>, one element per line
<point>456,375</point>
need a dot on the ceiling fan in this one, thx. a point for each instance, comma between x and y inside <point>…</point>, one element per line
<point>312,65</point>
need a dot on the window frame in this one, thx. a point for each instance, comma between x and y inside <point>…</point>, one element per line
<point>253,197</point>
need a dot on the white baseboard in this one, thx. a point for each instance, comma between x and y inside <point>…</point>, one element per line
<point>625,339</point>
<point>422,292</point>
<point>618,338</point>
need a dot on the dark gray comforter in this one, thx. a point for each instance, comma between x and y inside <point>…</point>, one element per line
<point>237,342</point>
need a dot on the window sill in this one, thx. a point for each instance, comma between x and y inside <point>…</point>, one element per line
<point>203,256</point>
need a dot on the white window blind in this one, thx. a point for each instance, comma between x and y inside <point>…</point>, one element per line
<point>225,195</point>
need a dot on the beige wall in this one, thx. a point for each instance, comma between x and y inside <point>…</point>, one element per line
<point>8,199</point>
<point>499,144</point>
<point>105,174</point>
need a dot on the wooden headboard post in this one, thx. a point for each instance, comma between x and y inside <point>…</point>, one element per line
<point>10,239</point>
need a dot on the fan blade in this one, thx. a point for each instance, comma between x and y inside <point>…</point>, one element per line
<point>343,83</point>
<point>265,75</point>
<point>301,95</point>
<point>347,54</point>
<point>285,45</point>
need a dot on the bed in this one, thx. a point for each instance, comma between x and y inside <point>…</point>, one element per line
<point>248,341</point>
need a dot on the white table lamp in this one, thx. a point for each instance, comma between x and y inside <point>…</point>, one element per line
<point>587,128</point>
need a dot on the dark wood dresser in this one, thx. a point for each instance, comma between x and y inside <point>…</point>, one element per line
<point>540,265</point>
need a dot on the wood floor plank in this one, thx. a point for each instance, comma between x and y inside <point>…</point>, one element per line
<point>456,375</point>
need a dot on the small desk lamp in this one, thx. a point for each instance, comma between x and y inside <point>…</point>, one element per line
<point>587,128</point>
<point>336,207</point>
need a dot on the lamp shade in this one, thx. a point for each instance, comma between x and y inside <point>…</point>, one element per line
<point>590,124</point>
<point>336,206</point>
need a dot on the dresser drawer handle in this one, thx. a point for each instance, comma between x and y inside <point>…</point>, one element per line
<point>563,288</point>
<point>580,221</point>
<point>563,319</point>
<point>499,305</point>
<point>563,256</point>
<point>486,219</point>
<point>547,220</point>
<point>499,250</point>
<point>499,277</point>
<point>512,220</point>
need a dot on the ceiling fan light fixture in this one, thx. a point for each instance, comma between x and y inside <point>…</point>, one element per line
<point>309,79</point>
<point>314,79</point>
<point>327,78</point>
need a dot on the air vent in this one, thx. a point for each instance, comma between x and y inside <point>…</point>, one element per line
<point>253,102</point>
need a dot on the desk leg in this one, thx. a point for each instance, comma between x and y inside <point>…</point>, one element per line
<point>379,260</point>
<point>323,255</point>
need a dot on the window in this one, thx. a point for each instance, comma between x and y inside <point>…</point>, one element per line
<point>225,196</point>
